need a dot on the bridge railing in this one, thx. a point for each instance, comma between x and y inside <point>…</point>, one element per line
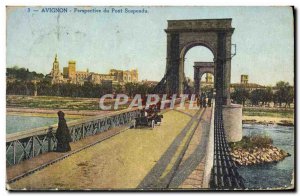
<point>28,144</point>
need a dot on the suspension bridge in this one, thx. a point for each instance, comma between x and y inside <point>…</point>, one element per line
<point>189,150</point>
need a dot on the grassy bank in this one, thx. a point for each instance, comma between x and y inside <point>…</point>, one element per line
<point>259,141</point>
<point>53,102</point>
<point>269,112</point>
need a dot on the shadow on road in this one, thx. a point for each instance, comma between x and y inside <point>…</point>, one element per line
<point>190,164</point>
<point>153,179</point>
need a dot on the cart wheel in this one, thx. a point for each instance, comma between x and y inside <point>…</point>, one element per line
<point>152,124</point>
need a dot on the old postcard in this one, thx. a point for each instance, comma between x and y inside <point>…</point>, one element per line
<point>150,98</point>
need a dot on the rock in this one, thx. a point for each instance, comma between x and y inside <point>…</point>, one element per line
<point>249,121</point>
<point>252,156</point>
<point>270,151</point>
<point>285,123</point>
<point>283,153</point>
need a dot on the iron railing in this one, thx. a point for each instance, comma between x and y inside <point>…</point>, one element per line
<point>28,144</point>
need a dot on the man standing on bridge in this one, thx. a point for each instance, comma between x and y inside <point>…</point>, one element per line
<point>63,134</point>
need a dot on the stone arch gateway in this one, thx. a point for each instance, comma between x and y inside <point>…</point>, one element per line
<point>215,34</point>
<point>201,68</point>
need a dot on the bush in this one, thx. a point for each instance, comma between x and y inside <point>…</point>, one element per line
<point>258,141</point>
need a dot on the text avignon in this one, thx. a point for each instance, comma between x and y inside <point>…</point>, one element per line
<point>55,10</point>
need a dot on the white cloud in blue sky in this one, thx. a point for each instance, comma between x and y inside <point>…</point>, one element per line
<point>264,38</point>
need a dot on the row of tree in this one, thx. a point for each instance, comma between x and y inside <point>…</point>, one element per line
<point>23,84</point>
<point>45,88</point>
<point>23,74</point>
<point>283,92</point>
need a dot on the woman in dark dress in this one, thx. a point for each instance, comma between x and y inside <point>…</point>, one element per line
<point>63,134</point>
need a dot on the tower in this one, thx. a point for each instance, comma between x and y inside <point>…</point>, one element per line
<point>244,79</point>
<point>55,73</point>
<point>55,67</point>
<point>72,69</point>
<point>208,78</point>
<point>134,75</point>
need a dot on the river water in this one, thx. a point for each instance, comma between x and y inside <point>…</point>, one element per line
<point>274,175</point>
<point>260,176</point>
<point>16,123</point>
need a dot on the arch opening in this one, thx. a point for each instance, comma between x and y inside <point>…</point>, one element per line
<point>193,55</point>
<point>207,83</point>
<point>196,44</point>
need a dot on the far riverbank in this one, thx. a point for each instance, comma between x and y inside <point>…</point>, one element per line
<point>266,120</point>
<point>266,116</point>
<point>53,112</point>
<point>48,106</point>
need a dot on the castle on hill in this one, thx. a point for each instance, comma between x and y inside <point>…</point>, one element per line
<point>71,75</point>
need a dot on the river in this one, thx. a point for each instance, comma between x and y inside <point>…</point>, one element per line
<point>274,175</point>
<point>16,123</point>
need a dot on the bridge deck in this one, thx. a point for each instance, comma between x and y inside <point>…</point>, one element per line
<point>142,158</point>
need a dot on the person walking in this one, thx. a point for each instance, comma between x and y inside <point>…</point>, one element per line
<point>204,102</point>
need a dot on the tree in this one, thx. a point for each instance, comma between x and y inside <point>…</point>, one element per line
<point>117,88</point>
<point>267,95</point>
<point>256,96</point>
<point>142,89</point>
<point>44,87</point>
<point>284,93</point>
<point>129,89</point>
<point>289,98</point>
<point>240,95</point>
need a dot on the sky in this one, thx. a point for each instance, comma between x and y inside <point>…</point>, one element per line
<point>101,41</point>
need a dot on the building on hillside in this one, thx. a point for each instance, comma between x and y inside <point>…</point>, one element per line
<point>96,78</point>
<point>71,75</point>
<point>245,84</point>
<point>125,76</point>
